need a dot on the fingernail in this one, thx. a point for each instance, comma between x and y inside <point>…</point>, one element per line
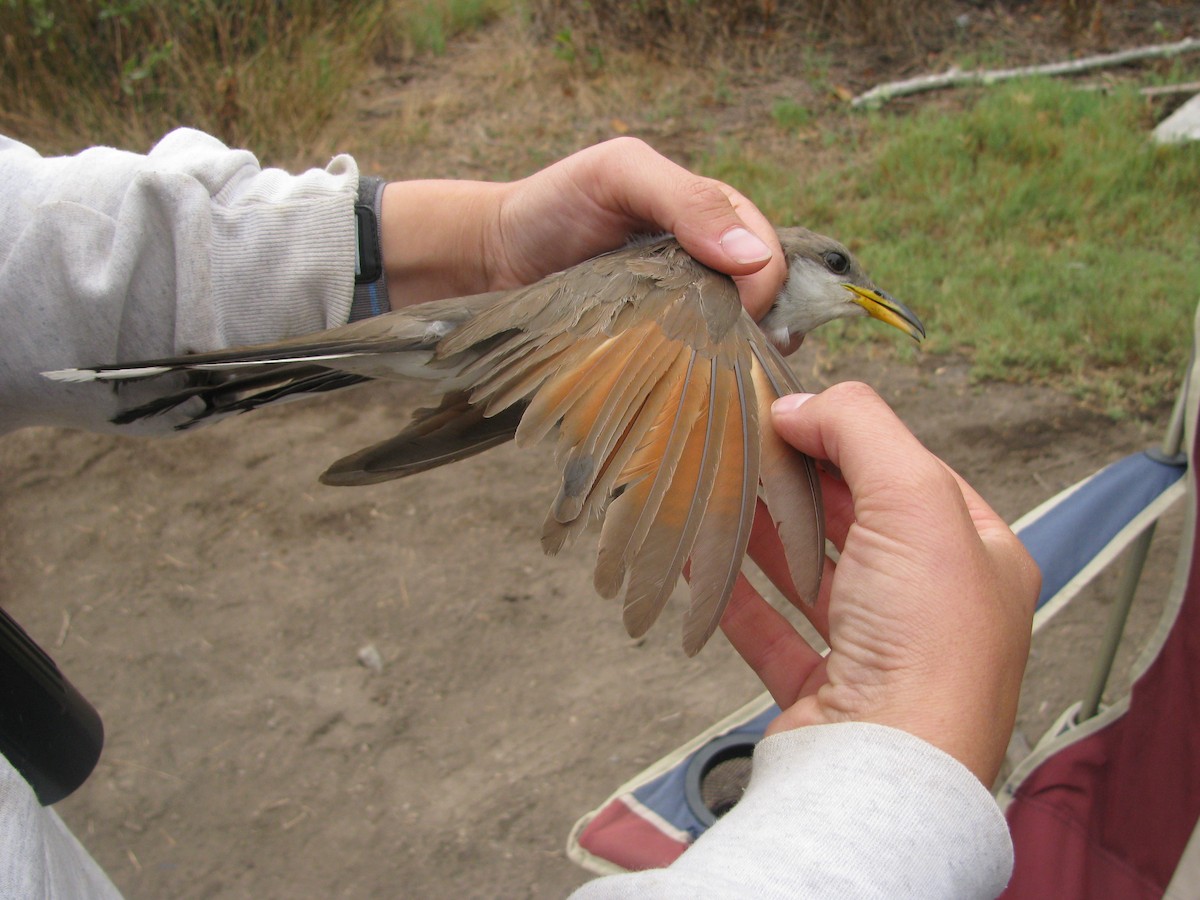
<point>744,246</point>
<point>789,403</point>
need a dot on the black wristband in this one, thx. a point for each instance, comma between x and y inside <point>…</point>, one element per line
<point>370,282</point>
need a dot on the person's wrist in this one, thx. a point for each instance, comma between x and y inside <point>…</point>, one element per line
<point>433,238</point>
<point>949,727</point>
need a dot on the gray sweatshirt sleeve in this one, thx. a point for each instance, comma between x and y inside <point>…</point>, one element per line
<point>845,811</point>
<point>108,256</point>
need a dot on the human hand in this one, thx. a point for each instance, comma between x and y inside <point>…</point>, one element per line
<point>927,612</point>
<point>443,238</point>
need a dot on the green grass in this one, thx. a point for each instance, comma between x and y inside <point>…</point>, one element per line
<point>790,116</point>
<point>431,23</point>
<point>1038,231</point>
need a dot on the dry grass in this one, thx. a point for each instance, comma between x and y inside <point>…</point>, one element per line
<point>278,77</point>
<point>504,104</point>
<point>754,32</point>
<point>253,72</point>
<point>678,28</point>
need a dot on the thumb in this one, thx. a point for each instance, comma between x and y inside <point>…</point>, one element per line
<point>725,231</point>
<point>716,224</point>
<point>850,425</point>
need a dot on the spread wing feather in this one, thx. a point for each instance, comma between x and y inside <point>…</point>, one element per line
<point>645,479</point>
<point>520,377</point>
<point>586,438</point>
<point>684,507</point>
<point>567,384</point>
<point>725,532</point>
<point>555,534</point>
<point>790,485</point>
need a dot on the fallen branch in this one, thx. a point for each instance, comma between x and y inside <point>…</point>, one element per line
<point>1158,90</point>
<point>956,77</point>
<point>1166,90</point>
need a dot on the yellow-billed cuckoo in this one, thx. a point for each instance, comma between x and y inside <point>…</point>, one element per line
<point>657,381</point>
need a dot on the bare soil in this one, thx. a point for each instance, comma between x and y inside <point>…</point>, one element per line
<point>217,606</point>
<point>213,601</point>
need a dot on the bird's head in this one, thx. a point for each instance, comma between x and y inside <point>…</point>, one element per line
<point>825,282</point>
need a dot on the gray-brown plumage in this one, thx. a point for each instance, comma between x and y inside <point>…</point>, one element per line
<point>642,362</point>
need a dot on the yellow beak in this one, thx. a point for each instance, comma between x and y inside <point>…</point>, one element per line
<point>886,308</point>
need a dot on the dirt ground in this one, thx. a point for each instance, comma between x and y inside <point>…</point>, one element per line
<point>217,605</point>
<point>212,600</point>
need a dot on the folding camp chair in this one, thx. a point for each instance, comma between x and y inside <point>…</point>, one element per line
<point>1107,804</point>
<point>1107,801</point>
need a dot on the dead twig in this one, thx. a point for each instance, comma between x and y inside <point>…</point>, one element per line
<point>1158,90</point>
<point>63,631</point>
<point>955,77</point>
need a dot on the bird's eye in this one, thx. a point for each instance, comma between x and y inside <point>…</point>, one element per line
<point>837,262</point>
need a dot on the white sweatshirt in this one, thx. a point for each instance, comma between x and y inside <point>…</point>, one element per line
<point>110,256</point>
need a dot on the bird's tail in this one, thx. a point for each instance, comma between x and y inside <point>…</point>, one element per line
<point>223,396</point>
<point>235,381</point>
<point>336,348</point>
<point>401,343</point>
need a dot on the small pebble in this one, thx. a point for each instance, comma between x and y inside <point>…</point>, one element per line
<point>369,658</point>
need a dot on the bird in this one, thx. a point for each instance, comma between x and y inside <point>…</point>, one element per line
<point>654,381</point>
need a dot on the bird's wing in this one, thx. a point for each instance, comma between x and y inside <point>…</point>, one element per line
<point>655,380</point>
<point>656,386</point>
<point>455,430</point>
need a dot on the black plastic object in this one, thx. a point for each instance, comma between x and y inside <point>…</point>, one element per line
<point>48,731</point>
<point>717,776</point>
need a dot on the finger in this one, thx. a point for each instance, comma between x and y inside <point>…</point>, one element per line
<point>716,224</point>
<point>835,495</point>
<point>759,289</point>
<point>782,659</point>
<point>879,458</point>
<point>839,508</point>
<point>724,230</point>
<point>766,549</point>
<point>884,468</point>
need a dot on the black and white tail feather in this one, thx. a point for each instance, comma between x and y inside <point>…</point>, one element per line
<point>239,380</point>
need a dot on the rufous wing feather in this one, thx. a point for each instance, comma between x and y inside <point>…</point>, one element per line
<point>590,428</point>
<point>645,478</point>
<point>725,532</point>
<point>570,380</point>
<point>555,534</point>
<point>656,568</point>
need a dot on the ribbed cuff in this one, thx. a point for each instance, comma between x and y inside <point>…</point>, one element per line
<point>280,261</point>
